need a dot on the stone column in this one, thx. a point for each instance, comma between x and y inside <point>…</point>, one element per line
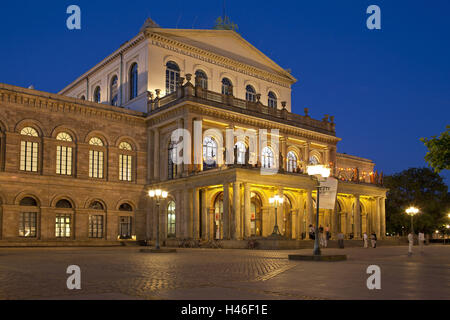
<point>306,154</point>
<point>226,211</point>
<point>247,210</point>
<point>196,213</point>
<point>156,154</point>
<point>378,216</point>
<point>148,220</point>
<point>197,146</point>
<point>188,125</point>
<point>335,221</point>
<point>236,212</point>
<point>180,167</point>
<point>205,215</point>
<point>309,209</point>
<point>187,213</point>
<point>383,218</point>
<point>149,152</point>
<point>283,153</point>
<point>357,217</point>
<point>178,213</point>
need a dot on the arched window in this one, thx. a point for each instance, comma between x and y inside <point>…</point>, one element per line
<point>133,81</point>
<point>29,150</point>
<point>97,95</point>
<point>114,91</point>
<point>250,94</point>
<point>267,158</point>
<point>171,231</point>
<point>83,97</point>
<point>172,154</point>
<point>272,100</point>
<point>125,207</point>
<point>96,221</point>
<point>241,150</point>
<point>209,153</point>
<point>28,217</point>
<point>218,214</point>
<point>96,158</point>
<point>64,204</point>
<point>96,205</point>
<point>227,86</point>
<point>291,161</point>
<point>172,77</point>
<point>64,154</point>
<point>314,160</point>
<point>125,161</point>
<point>201,79</point>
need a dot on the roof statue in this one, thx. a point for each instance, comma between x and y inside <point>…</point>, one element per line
<point>149,23</point>
<point>224,23</point>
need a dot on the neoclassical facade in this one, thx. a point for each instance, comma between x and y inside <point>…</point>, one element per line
<point>78,165</point>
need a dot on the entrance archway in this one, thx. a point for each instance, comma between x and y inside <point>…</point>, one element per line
<point>218,217</point>
<point>256,215</point>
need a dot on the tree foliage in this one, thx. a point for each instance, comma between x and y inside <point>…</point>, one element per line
<point>438,155</point>
<point>419,187</point>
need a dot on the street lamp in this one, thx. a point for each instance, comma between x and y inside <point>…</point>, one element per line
<point>276,201</point>
<point>320,173</point>
<point>412,211</point>
<point>158,194</point>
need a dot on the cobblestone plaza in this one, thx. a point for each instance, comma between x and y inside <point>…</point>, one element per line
<point>125,273</point>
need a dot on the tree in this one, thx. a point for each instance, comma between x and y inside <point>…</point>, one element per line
<point>419,187</point>
<point>438,155</point>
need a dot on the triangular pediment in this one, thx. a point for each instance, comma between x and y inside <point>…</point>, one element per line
<point>226,43</point>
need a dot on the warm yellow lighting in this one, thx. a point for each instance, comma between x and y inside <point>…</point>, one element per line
<point>412,211</point>
<point>158,192</point>
<point>448,215</point>
<point>318,170</point>
<point>276,200</point>
<point>133,237</point>
<point>151,193</point>
<point>164,194</point>
<point>437,231</point>
<point>448,226</point>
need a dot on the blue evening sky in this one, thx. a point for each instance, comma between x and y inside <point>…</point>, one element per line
<point>386,88</point>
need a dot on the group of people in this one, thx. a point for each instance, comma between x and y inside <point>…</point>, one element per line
<point>421,239</point>
<point>373,240</point>
<point>324,235</point>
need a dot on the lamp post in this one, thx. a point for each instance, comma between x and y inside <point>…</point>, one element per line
<point>276,201</point>
<point>320,173</point>
<point>157,194</point>
<point>412,211</point>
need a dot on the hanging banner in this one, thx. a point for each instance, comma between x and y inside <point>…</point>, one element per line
<point>328,193</point>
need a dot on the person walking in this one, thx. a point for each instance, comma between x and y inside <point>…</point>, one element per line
<point>373,239</point>
<point>411,243</point>
<point>421,240</point>
<point>321,236</point>
<point>341,240</point>
<point>311,232</point>
<point>366,240</point>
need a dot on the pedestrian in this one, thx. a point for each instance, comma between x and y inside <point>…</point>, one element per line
<point>311,232</point>
<point>321,238</point>
<point>327,235</point>
<point>341,240</point>
<point>373,239</point>
<point>366,240</point>
<point>411,242</point>
<point>421,240</point>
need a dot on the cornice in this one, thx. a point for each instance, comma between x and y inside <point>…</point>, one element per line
<point>209,57</point>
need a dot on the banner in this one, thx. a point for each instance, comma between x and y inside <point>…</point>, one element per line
<point>328,194</point>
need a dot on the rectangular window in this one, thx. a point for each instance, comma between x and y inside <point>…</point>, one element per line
<point>125,228</point>
<point>28,156</point>
<point>95,226</point>
<point>125,167</point>
<point>62,225</point>
<point>96,164</point>
<point>27,226</point>
<point>64,160</point>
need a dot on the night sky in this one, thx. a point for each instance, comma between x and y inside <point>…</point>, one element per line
<point>386,88</point>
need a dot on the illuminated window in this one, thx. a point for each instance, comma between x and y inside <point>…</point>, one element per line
<point>202,79</point>
<point>97,95</point>
<point>64,155</point>
<point>96,159</point>
<point>133,81</point>
<point>113,89</point>
<point>125,227</point>
<point>172,77</point>
<point>227,86</point>
<point>209,153</point>
<point>250,94</point>
<point>27,224</point>
<point>314,160</point>
<point>267,158</point>
<point>171,219</point>
<point>95,226</point>
<point>272,100</point>
<point>172,160</point>
<point>241,150</point>
<point>62,225</point>
<point>291,161</point>
<point>125,162</point>
<point>29,150</point>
